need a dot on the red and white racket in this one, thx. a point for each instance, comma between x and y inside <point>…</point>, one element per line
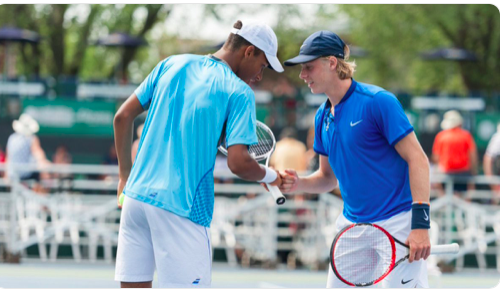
<point>363,254</point>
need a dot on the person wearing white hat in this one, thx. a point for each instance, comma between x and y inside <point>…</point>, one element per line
<point>23,147</point>
<point>169,191</point>
<point>451,119</point>
<point>454,150</point>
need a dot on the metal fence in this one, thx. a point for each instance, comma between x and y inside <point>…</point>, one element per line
<point>75,206</point>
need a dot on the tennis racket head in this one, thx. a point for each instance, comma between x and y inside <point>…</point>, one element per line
<point>362,254</point>
<point>260,151</point>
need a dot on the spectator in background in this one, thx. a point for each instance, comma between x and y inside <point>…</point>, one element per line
<point>62,155</point>
<point>311,156</point>
<point>454,151</point>
<point>135,145</point>
<point>111,158</point>
<point>2,155</point>
<point>290,153</point>
<point>2,159</point>
<point>491,162</point>
<point>23,147</point>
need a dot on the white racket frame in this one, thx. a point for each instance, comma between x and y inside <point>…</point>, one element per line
<point>274,190</point>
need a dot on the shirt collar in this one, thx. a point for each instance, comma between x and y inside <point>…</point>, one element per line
<point>346,96</point>
<point>219,60</point>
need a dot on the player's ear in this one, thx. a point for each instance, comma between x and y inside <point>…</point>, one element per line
<point>333,63</point>
<point>249,51</point>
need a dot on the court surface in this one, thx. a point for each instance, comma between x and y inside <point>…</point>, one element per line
<point>35,274</point>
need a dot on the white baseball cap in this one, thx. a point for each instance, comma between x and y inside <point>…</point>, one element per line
<point>263,37</point>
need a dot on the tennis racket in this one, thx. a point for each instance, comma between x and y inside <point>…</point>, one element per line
<point>364,254</point>
<point>260,151</point>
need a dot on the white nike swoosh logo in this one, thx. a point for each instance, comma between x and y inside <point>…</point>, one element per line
<point>354,124</point>
<point>426,218</point>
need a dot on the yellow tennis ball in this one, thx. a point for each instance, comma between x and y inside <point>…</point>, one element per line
<point>122,197</point>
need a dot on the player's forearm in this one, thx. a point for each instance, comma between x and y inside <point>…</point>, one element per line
<point>487,167</point>
<point>40,156</point>
<point>316,183</point>
<point>473,162</point>
<point>37,151</point>
<point>419,178</point>
<point>123,126</point>
<point>246,168</point>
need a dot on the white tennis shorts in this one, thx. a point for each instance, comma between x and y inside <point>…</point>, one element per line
<point>405,275</point>
<point>151,237</point>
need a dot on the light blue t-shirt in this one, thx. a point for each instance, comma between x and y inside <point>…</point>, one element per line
<point>189,97</point>
<point>359,142</point>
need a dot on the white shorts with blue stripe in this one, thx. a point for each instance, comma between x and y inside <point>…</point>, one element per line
<point>152,238</point>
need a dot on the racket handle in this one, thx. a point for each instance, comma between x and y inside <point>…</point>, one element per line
<point>276,193</point>
<point>445,249</point>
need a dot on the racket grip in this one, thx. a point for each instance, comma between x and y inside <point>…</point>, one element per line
<point>445,249</point>
<point>276,193</point>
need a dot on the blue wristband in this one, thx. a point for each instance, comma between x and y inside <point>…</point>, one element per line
<point>420,216</point>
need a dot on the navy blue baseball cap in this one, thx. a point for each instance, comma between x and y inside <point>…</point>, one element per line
<point>320,44</point>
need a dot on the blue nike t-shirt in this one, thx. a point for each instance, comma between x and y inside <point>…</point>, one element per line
<point>189,98</point>
<point>359,142</point>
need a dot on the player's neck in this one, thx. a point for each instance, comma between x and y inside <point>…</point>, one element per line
<point>228,57</point>
<point>337,90</point>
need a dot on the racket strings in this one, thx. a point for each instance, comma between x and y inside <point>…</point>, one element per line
<point>362,255</point>
<point>264,145</point>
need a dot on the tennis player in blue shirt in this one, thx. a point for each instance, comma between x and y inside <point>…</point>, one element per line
<point>169,189</point>
<point>366,142</point>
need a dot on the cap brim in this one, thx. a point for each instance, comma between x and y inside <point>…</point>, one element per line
<point>300,59</point>
<point>274,63</point>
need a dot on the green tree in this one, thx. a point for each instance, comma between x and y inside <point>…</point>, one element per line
<point>68,32</point>
<point>395,35</point>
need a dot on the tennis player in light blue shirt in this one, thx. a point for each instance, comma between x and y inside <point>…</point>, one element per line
<point>169,190</point>
<point>175,171</point>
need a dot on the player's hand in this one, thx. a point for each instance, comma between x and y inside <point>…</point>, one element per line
<point>278,181</point>
<point>290,181</point>
<point>121,186</point>
<point>420,244</point>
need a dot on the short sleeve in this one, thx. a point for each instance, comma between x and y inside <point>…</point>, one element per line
<point>390,118</point>
<point>145,91</point>
<point>493,148</point>
<point>241,120</point>
<point>318,123</point>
